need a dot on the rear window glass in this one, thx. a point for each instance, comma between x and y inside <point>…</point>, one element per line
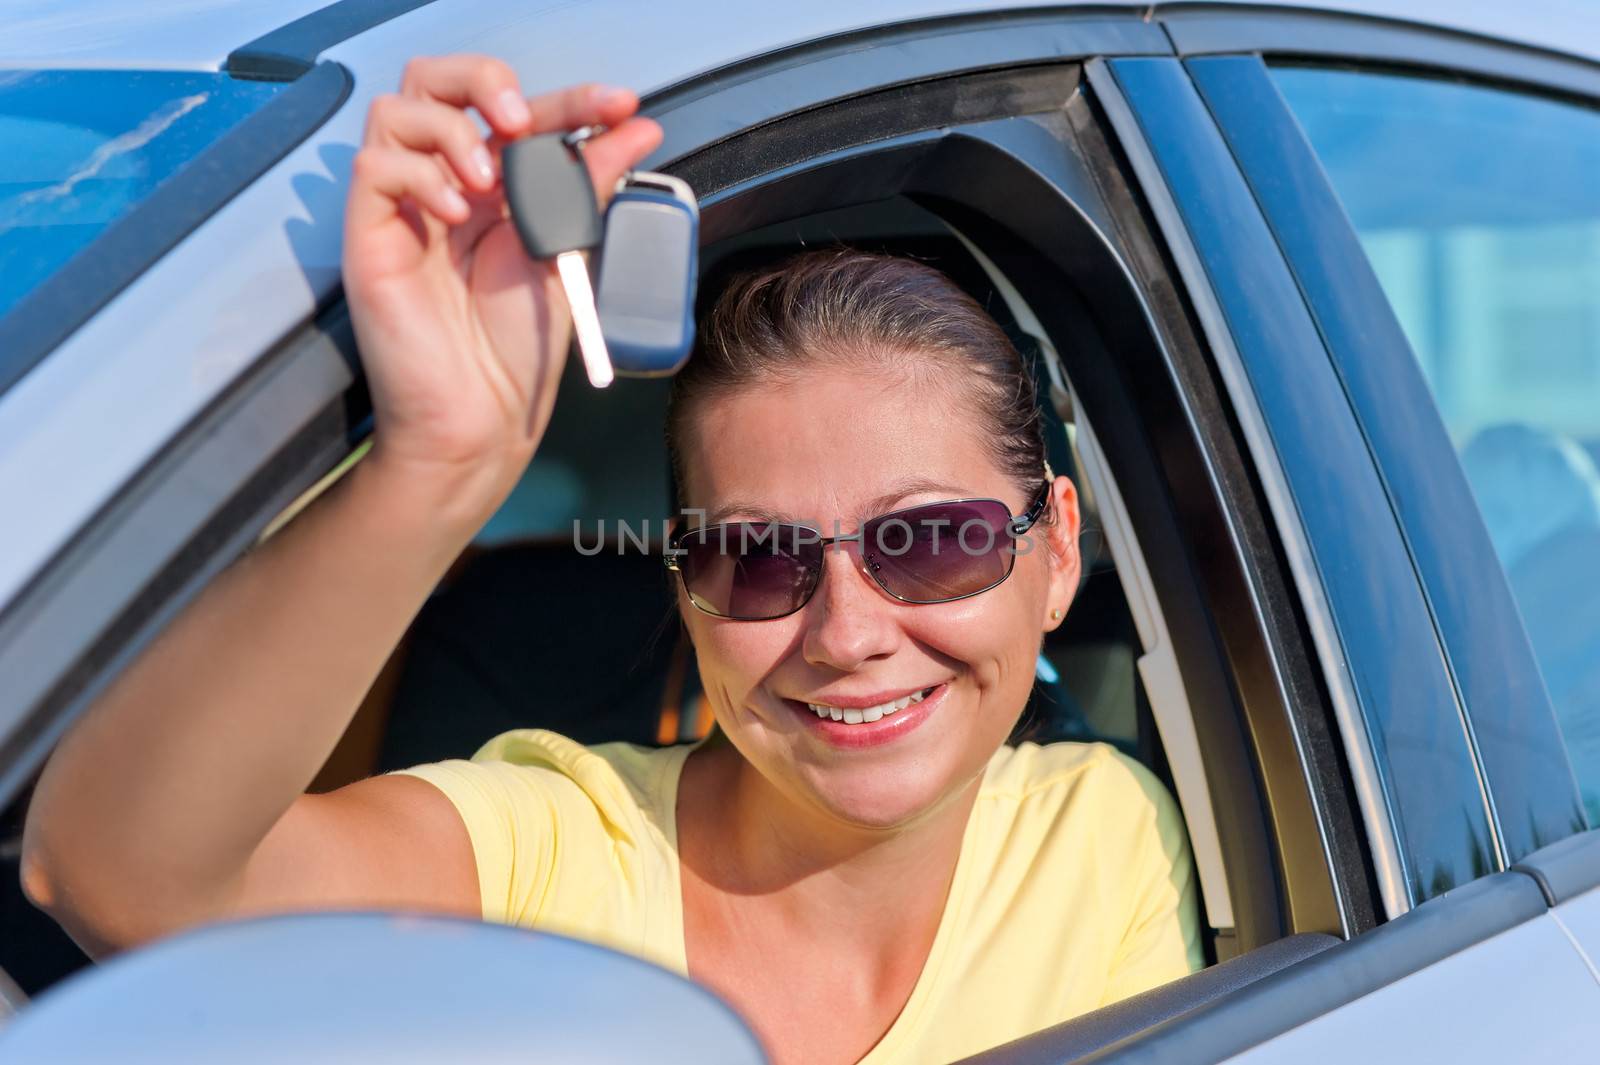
<point>84,147</point>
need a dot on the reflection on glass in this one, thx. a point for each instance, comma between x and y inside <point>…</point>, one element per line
<point>82,147</point>
<point>1480,212</point>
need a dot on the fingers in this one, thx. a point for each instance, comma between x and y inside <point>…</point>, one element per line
<point>617,151</point>
<point>582,105</point>
<point>430,126</point>
<point>383,177</point>
<point>422,145</point>
<point>490,86</point>
<point>478,81</point>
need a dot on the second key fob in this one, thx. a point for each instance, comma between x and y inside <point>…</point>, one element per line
<point>649,268</point>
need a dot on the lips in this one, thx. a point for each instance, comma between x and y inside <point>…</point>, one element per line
<point>851,715</point>
<point>913,707</point>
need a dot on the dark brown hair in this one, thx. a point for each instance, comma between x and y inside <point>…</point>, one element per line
<point>843,307</point>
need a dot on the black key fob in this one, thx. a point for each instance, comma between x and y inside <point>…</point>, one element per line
<point>556,213</point>
<point>552,200</point>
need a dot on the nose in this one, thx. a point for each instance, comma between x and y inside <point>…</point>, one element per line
<point>849,621</point>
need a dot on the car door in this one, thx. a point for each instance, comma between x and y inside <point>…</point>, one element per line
<point>131,452</point>
<point>1446,231</point>
<point>1480,282</point>
<point>1471,776</point>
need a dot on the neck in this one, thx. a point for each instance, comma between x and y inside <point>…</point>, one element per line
<point>874,889</point>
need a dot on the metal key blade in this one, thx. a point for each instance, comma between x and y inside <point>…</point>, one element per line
<point>585,320</point>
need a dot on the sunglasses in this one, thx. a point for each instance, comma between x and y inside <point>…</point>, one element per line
<point>933,553</point>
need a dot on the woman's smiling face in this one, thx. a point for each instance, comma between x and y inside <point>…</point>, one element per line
<point>829,450</point>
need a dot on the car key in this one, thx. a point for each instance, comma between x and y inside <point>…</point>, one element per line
<point>647,274</point>
<point>554,210</point>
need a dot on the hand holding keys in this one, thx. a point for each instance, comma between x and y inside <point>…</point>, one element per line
<point>644,316</point>
<point>456,325</point>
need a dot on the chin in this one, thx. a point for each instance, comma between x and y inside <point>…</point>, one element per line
<point>873,798</point>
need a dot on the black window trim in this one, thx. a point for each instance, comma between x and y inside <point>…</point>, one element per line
<point>1300,758</point>
<point>702,112</point>
<point>1327,36</point>
<point>1566,869</point>
<point>285,53</point>
<point>1228,1026</point>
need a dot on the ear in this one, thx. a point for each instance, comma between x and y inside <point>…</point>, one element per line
<point>1058,527</point>
<point>680,599</point>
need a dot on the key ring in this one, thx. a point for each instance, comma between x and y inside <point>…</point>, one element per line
<point>578,137</point>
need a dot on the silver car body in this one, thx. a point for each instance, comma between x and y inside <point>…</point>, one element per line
<point>188,327</point>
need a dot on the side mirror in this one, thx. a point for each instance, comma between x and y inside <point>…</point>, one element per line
<point>342,987</point>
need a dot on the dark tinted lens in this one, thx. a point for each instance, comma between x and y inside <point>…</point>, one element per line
<point>749,571</point>
<point>941,551</point>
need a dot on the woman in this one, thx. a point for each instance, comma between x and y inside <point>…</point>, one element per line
<point>902,887</point>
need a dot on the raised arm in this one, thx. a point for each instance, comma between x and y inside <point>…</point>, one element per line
<point>179,797</point>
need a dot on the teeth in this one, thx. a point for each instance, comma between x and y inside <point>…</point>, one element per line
<point>871,713</point>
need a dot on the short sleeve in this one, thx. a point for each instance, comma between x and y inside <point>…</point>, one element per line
<point>1161,941</point>
<point>573,839</point>
<point>514,818</point>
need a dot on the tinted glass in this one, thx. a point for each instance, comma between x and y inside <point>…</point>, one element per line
<point>934,553</point>
<point>84,147</point>
<point>1480,212</point>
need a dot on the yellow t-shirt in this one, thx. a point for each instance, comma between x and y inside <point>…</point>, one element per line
<point>1074,887</point>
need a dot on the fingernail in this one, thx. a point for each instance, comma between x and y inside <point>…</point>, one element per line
<point>610,94</point>
<point>514,109</point>
<point>483,163</point>
<point>456,202</point>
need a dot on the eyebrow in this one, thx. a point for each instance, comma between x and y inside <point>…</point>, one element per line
<point>753,511</point>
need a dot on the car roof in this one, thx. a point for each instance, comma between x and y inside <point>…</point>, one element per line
<point>199,34</point>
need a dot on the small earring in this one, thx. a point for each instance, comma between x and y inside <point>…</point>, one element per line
<point>1055,615</point>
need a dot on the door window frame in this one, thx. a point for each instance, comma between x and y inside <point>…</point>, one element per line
<point>885,153</point>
